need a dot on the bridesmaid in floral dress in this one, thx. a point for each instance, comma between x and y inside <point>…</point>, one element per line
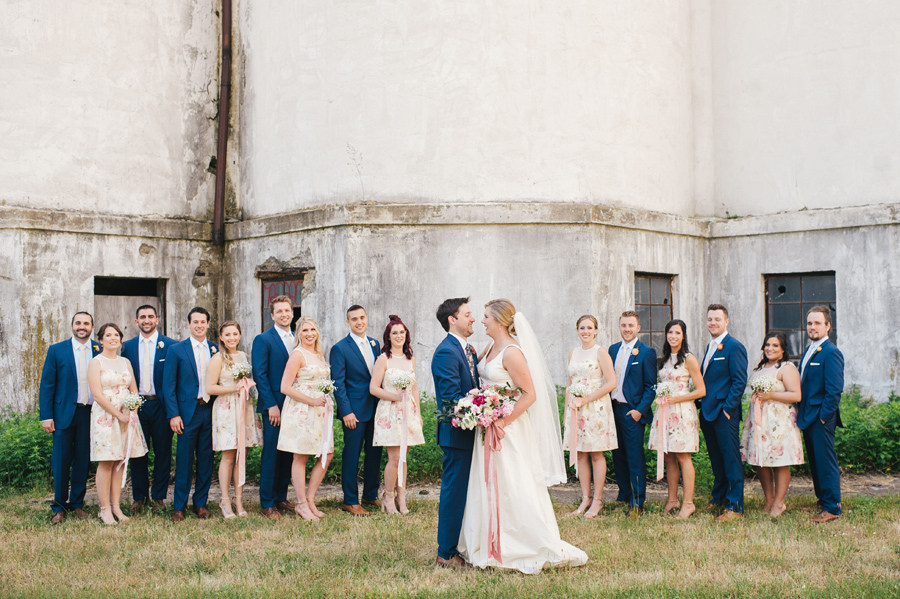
<point>308,415</point>
<point>396,359</point>
<point>682,427</point>
<point>226,416</point>
<point>110,378</point>
<point>779,441</point>
<point>590,427</point>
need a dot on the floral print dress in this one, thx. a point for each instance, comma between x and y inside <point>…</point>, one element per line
<point>225,415</point>
<point>108,434</point>
<point>595,422</point>
<point>682,426</point>
<point>303,426</point>
<point>389,414</point>
<point>781,443</point>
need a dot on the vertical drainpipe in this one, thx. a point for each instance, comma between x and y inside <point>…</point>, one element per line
<point>222,150</point>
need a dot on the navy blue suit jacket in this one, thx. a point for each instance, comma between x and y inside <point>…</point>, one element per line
<point>352,378</point>
<point>181,381</point>
<point>452,380</point>
<point>821,385</point>
<point>268,359</point>
<point>725,379</point>
<point>640,378</point>
<point>59,384</point>
<point>131,352</point>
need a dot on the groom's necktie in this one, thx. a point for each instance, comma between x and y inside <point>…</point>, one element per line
<point>470,351</point>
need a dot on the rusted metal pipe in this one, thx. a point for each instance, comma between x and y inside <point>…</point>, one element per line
<point>222,142</point>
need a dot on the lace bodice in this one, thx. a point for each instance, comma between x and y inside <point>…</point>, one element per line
<point>584,367</point>
<point>225,377</point>
<point>407,367</point>
<point>680,376</point>
<point>492,371</point>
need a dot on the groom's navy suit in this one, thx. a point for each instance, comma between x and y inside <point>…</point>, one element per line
<point>351,394</point>
<point>628,460</point>
<point>821,385</point>
<point>154,423</point>
<point>270,357</point>
<point>725,377</point>
<point>58,400</point>
<point>181,384</point>
<point>452,380</point>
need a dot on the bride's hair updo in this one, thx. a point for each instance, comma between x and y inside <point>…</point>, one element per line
<point>503,312</point>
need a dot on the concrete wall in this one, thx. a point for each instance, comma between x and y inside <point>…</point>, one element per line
<point>109,108</point>
<point>806,104</point>
<point>466,101</point>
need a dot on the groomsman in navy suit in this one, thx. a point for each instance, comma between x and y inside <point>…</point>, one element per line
<point>454,370</point>
<point>189,408</point>
<point>635,365</point>
<point>725,376</point>
<point>821,385</point>
<point>147,354</point>
<point>352,359</point>
<point>65,407</point>
<point>269,357</point>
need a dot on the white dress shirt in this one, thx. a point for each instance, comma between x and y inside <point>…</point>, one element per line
<point>621,359</point>
<point>366,349</point>
<point>83,351</point>
<point>711,349</point>
<point>201,357</point>
<point>461,341</point>
<point>147,348</point>
<point>811,351</point>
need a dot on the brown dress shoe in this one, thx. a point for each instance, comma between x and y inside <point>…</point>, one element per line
<point>712,506</point>
<point>137,506</point>
<point>729,516</point>
<point>375,502</point>
<point>201,512</point>
<point>58,518</point>
<point>271,513</point>
<point>823,517</point>
<point>455,562</point>
<point>286,506</point>
<point>80,514</point>
<point>355,509</point>
<point>178,516</point>
<point>158,507</point>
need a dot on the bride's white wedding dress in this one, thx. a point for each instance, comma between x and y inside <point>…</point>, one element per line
<point>529,535</point>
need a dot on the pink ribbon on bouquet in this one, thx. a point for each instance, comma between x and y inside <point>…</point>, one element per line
<point>328,433</point>
<point>244,385</point>
<point>757,423</point>
<point>662,438</point>
<point>573,435</point>
<point>404,437</point>
<point>492,437</point>
<point>129,438</point>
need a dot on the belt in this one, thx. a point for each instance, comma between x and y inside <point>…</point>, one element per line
<point>148,397</point>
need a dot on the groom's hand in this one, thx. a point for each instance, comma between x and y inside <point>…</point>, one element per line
<point>350,421</point>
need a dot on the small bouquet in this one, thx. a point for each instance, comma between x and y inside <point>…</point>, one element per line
<point>400,379</point>
<point>132,401</point>
<point>578,389</point>
<point>326,386</point>
<point>240,370</point>
<point>481,407</point>
<point>664,389</point>
<point>762,384</point>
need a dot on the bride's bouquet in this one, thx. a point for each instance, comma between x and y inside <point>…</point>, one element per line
<point>762,384</point>
<point>481,407</point>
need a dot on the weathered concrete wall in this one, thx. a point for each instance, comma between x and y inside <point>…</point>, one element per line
<point>109,108</point>
<point>806,104</point>
<point>466,101</point>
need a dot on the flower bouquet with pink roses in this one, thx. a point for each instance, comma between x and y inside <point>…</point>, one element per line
<point>482,407</point>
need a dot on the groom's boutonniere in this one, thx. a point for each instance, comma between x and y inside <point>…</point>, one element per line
<point>635,351</point>
<point>160,345</point>
<point>212,349</point>
<point>819,348</point>
<point>720,347</point>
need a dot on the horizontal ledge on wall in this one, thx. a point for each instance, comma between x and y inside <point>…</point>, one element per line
<point>59,221</point>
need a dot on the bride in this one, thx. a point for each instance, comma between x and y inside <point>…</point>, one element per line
<point>529,460</point>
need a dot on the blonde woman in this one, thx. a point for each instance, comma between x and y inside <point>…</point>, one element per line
<point>308,416</point>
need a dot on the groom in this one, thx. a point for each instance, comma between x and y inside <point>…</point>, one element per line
<point>453,370</point>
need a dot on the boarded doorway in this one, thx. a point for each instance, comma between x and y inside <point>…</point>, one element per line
<point>117,298</point>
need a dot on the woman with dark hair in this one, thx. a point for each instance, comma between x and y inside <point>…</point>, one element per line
<point>222,380</point>
<point>398,421</point>
<point>675,431</point>
<point>771,439</point>
<point>110,378</point>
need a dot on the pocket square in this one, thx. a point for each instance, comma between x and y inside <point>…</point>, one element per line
<point>635,363</point>
<point>815,364</point>
<point>714,359</point>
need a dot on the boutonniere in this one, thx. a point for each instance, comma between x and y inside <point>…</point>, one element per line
<point>212,349</point>
<point>160,345</point>
<point>96,347</point>
<point>720,347</point>
<point>635,351</point>
<point>372,343</point>
<point>819,348</point>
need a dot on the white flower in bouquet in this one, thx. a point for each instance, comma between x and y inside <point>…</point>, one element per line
<point>240,370</point>
<point>132,401</point>
<point>762,384</point>
<point>325,385</point>
<point>664,389</point>
<point>400,379</point>
<point>578,389</point>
